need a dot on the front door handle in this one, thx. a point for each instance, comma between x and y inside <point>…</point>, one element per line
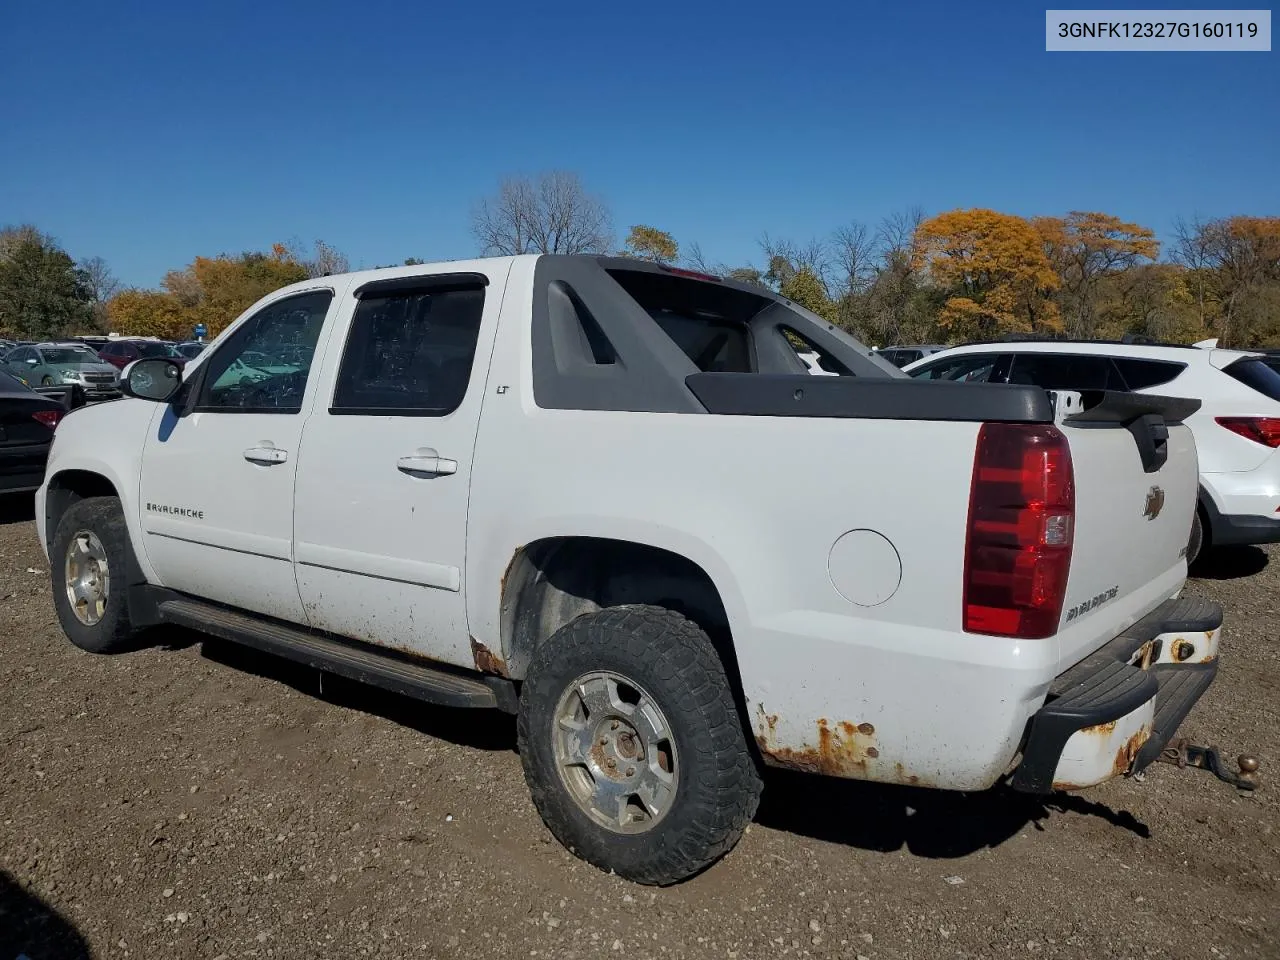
<point>266,455</point>
<point>426,463</point>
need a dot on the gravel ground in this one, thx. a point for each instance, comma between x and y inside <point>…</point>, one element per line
<point>194,800</point>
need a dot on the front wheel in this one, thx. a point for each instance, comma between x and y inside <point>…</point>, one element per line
<point>89,567</point>
<point>632,746</point>
<point>46,381</point>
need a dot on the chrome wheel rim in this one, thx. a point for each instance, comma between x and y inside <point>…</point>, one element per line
<point>88,577</point>
<point>615,752</point>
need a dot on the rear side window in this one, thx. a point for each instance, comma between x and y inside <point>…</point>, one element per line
<point>708,324</point>
<point>1065,371</point>
<point>410,353</point>
<point>1140,374</point>
<point>1256,373</point>
<point>974,368</point>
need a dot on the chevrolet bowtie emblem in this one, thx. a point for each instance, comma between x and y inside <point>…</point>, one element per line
<point>1155,503</point>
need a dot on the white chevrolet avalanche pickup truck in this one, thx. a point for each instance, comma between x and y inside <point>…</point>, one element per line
<point>567,487</point>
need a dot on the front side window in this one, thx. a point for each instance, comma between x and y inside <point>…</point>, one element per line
<point>263,367</point>
<point>410,352</point>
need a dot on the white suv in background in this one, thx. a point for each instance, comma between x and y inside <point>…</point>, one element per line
<point>1237,428</point>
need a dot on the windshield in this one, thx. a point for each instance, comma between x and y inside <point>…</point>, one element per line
<point>146,349</point>
<point>1256,373</point>
<point>69,355</point>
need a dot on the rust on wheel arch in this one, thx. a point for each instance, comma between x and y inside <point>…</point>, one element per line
<point>486,660</point>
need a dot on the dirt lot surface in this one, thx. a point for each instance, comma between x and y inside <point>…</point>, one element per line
<point>193,800</point>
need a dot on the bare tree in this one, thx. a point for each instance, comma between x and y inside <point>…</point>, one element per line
<point>98,277</point>
<point>854,253</point>
<point>897,232</point>
<point>327,261</point>
<point>551,213</point>
<point>785,259</point>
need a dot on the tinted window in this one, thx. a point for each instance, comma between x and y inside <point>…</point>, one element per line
<point>1065,372</point>
<point>69,355</point>
<point>1256,373</point>
<point>410,353</point>
<point>714,347</point>
<point>972,368</point>
<point>19,355</point>
<point>263,368</point>
<point>154,350</point>
<point>1140,374</point>
<point>707,322</point>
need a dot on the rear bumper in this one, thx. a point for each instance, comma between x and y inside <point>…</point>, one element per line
<point>22,467</point>
<point>1114,712</point>
<point>1246,516</point>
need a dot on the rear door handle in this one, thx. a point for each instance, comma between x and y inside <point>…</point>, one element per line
<point>426,463</point>
<point>266,455</point>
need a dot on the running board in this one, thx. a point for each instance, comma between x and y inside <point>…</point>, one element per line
<point>363,664</point>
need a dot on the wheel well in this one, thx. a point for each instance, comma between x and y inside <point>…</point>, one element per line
<point>550,582</point>
<point>69,487</point>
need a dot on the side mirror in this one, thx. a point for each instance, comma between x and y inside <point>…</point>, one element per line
<point>154,378</point>
<point>32,360</point>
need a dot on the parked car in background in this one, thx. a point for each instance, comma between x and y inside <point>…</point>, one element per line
<point>122,352</point>
<point>1237,427</point>
<point>27,421</point>
<point>52,364</point>
<point>93,341</point>
<point>901,356</point>
<point>191,349</point>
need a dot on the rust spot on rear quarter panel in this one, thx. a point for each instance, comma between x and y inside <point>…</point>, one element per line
<point>486,660</point>
<point>842,749</point>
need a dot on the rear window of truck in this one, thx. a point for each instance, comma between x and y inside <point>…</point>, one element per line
<point>707,322</point>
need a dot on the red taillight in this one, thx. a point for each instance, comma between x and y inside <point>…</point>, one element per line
<point>49,418</point>
<point>1263,430</point>
<point>1022,509</point>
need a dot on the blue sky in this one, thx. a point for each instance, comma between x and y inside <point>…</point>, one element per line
<point>148,133</point>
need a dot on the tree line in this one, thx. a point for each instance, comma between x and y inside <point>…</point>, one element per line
<point>911,278</point>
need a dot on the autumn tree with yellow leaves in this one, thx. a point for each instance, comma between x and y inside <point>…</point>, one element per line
<point>994,271</point>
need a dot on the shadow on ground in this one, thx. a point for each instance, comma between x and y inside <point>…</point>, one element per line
<point>483,729</point>
<point>17,508</point>
<point>937,824</point>
<point>878,817</point>
<point>30,927</point>
<point>1230,563</point>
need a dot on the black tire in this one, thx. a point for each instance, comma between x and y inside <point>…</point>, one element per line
<point>717,782</point>
<point>1195,545</point>
<point>104,518</point>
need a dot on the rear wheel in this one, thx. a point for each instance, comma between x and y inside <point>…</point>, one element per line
<point>89,561</point>
<point>632,747</point>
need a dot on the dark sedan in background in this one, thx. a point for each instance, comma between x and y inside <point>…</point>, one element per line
<point>27,422</point>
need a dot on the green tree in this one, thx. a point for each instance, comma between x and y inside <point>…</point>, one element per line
<point>650,243</point>
<point>43,294</point>
<point>805,288</point>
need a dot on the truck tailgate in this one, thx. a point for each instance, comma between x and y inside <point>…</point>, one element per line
<point>1136,477</point>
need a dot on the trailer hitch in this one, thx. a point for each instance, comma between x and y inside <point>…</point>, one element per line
<point>1184,753</point>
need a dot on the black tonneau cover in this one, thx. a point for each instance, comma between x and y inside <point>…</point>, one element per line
<point>873,398</point>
